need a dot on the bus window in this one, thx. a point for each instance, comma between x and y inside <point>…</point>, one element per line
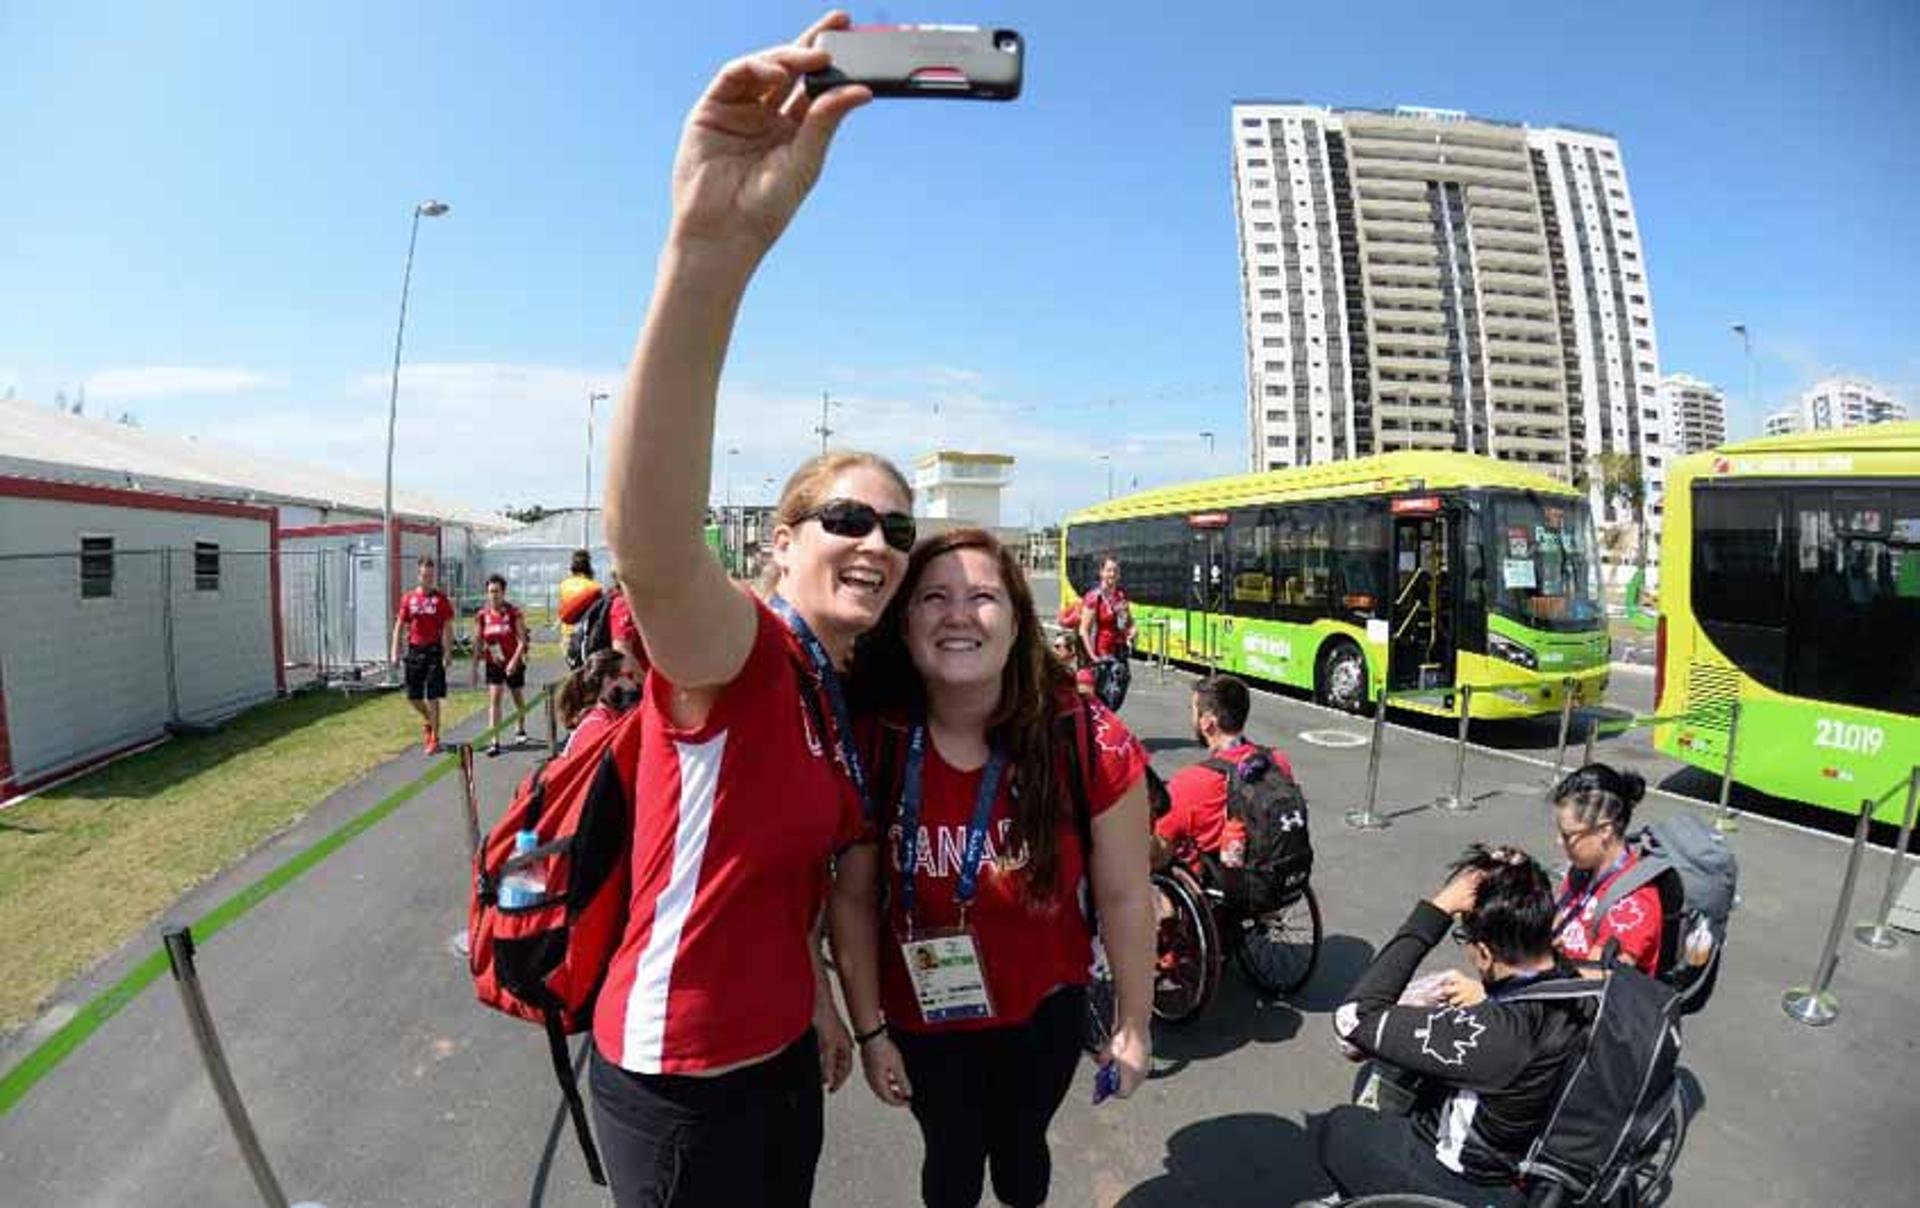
<point>1251,559</point>
<point>1856,635</point>
<point>1737,576</point>
<point>1300,563</point>
<point>1360,556</point>
<point>1542,565</point>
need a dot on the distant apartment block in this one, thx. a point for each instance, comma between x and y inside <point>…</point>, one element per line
<point>1848,403</point>
<point>1422,279</point>
<point>1695,411</point>
<point>1783,422</point>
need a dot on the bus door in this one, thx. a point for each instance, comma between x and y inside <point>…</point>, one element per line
<point>1426,537</point>
<point>1206,585</point>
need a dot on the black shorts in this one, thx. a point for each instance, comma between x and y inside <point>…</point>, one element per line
<point>426,673</point>
<point>497,674</point>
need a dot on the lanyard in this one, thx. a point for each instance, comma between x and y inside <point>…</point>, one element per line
<point>1570,909</point>
<point>964,891</point>
<point>829,679</point>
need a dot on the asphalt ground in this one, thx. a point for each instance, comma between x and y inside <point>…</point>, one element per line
<point>373,1078</point>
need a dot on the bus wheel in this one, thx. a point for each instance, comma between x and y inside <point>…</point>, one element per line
<point>1342,682</point>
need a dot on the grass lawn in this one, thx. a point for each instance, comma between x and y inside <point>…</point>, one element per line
<point>86,866</point>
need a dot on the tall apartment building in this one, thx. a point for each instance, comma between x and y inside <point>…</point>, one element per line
<point>1847,403</point>
<point>1783,422</point>
<point>1695,411</point>
<point>1422,279</point>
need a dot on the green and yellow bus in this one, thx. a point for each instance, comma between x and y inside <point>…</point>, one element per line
<point>1791,584</point>
<point>1408,570</point>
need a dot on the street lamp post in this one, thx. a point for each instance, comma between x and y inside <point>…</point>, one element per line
<point>1746,344</point>
<point>586,512</point>
<point>1108,458</point>
<point>1208,437</point>
<point>733,528</point>
<point>390,539</point>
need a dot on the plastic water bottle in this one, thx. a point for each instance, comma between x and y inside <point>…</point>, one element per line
<point>1233,844</point>
<point>1699,943</point>
<point>527,885</point>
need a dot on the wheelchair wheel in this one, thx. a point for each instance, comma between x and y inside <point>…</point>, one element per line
<point>1278,950</point>
<point>1100,1010</point>
<point>1653,1169</point>
<point>1187,949</point>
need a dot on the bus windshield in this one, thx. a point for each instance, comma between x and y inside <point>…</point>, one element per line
<point>1542,563</point>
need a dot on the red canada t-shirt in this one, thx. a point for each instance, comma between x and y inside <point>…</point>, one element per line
<point>499,634</point>
<point>426,613</point>
<point>1635,920</point>
<point>734,823</point>
<point>1112,620</point>
<point>1027,951</point>
<point>1198,819</point>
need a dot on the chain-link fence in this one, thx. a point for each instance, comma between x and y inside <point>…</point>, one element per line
<point>104,648</point>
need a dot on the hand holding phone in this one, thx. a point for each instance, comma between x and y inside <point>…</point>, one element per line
<point>1106,1083</point>
<point>957,61</point>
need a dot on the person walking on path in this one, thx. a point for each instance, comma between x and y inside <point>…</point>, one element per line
<point>1106,628</point>
<point>968,990</point>
<point>500,642</point>
<point>716,1028</point>
<point>579,582</point>
<point>425,621</point>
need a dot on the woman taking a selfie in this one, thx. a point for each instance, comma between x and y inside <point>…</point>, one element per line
<point>715,1029</point>
<point>967,993</point>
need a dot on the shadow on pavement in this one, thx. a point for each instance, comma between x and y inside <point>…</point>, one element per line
<point>1236,1017</point>
<point>1245,1159</point>
<point>1343,958</point>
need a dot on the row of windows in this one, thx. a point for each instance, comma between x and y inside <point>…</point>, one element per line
<point>97,563</point>
<point>1814,590</point>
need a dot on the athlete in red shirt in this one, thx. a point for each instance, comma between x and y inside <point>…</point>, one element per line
<point>968,996</point>
<point>425,618</point>
<point>500,642</point>
<point>1106,627</point>
<point>716,1027</point>
<point>1192,828</point>
<point>1593,808</point>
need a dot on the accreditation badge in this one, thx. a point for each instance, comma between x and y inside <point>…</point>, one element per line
<point>948,979</point>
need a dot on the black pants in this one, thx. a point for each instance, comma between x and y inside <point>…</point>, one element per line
<point>984,1099</point>
<point>747,1139</point>
<point>1366,1153</point>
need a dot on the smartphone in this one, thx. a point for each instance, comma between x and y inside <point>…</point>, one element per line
<point>1106,1083</point>
<point>966,62</point>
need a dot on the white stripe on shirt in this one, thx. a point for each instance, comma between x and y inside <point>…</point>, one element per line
<point>646,1015</point>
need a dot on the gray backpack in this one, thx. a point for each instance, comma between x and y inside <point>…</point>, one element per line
<point>1698,879</point>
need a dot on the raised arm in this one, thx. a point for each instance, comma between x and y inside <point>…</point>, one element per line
<point>752,148</point>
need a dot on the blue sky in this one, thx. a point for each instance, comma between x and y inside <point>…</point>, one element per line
<point>206,214</point>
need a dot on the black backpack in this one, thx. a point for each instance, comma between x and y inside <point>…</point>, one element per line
<point>1618,1088</point>
<point>1278,858</point>
<point>1693,869</point>
<point>592,633</point>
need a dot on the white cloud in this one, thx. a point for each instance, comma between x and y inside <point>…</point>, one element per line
<point>172,381</point>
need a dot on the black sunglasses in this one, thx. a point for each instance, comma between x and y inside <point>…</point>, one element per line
<point>851,518</point>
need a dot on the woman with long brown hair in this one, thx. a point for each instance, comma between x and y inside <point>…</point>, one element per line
<point>967,991</point>
<point>716,1028</point>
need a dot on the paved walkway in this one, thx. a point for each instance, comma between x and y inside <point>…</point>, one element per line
<point>374,1079</point>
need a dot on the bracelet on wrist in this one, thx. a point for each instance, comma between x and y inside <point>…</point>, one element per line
<point>879,1030</point>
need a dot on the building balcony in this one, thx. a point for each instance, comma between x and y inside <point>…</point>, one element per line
<point>1392,385</point>
<point>1402,274</point>
<point>1387,362</point>
<point>1527,395</point>
<point>1503,441</point>
<point>1386,342</point>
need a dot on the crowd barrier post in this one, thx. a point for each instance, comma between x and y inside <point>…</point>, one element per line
<point>1727,821</point>
<point>1813,1004</point>
<point>1877,935</point>
<point>1458,801</point>
<point>1593,729</point>
<point>178,940</point>
<point>1566,720</point>
<point>553,722</point>
<point>470,791</point>
<point>1364,818</point>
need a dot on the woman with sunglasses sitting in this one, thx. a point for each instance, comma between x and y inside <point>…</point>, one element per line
<point>967,992</point>
<point>1593,808</point>
<point>715,1029</point>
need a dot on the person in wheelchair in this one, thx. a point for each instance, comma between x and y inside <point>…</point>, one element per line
<point>1486,1074</point>
<point>1194,828</point>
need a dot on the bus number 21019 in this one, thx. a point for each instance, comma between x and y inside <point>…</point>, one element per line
<point>1848,736</point>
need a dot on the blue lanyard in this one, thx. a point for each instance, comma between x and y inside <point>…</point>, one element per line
<point>976,847</point>
<point>1570,909</point>
<point>829,679</point>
